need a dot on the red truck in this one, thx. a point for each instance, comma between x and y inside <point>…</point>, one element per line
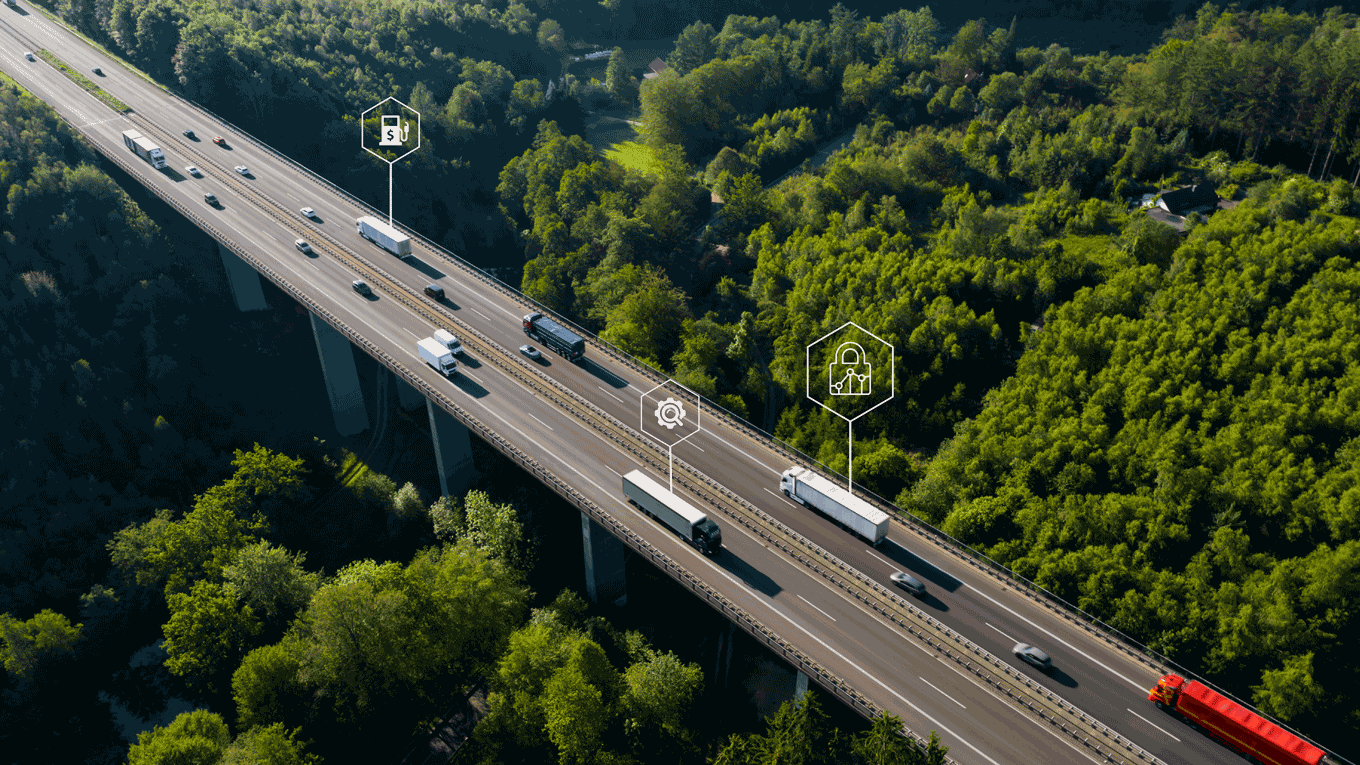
<point>1239,728</point>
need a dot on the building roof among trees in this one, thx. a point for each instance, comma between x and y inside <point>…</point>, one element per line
<point>1187,198</point>
<point>658,66</point>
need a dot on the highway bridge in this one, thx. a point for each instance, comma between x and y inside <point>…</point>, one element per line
<point>814,594</point>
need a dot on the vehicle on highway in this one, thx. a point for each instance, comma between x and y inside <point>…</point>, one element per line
<point>448,340</point>
<point>361,287</point>
<point>437,356</point>
<point>191,170</point>
<point>243,170</point>
<point>557,337</point>
<point>1241,729</point>
<point>210,199</point>
<point>144,148</point>
<point>29,56</point>
<point>1032,656</point>
<point>680,516</point>
<point>434,291</point>
<point>909,583</point>
<point>301,244</point>
<point>190,134</point>
<point>531,352</point>
<point>219,140</point>
<point>309,212</point>
<point>814,491</point>
<point>99,71</point>
<point>384,236</point>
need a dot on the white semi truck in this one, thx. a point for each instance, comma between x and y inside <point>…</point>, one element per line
<point>144,148</point>
<point>384,235</point>
<point>682,517</point>
<point>435,354</point>
<point>812,490</point>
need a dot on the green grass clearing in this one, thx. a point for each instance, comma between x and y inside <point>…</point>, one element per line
<point>631,154</point>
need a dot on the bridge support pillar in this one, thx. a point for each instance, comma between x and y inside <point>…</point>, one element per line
<point>408,397</point>
<point>452,450</point>
<point>605,580</point>
<point>342,379</point>
<point>244,281</point>
<point>800,686</point>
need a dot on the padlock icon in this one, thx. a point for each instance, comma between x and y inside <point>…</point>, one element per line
<point>850,378</point>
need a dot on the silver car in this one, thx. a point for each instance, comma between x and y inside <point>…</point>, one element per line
<point>191,170</point>
<point>301,244</point>
<point>242,170</point>
<point>909,583</point>
<point>1032,656</point>
<point>531,352</point>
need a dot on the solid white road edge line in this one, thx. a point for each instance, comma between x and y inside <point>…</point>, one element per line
<point>1153,724</point>
<point>820,611</point>
<point>942,693</point>
<point>1002,634</point>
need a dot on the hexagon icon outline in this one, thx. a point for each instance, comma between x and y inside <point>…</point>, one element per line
<point>363,135</point>
<point>892,371</point>
<point>644,414</point>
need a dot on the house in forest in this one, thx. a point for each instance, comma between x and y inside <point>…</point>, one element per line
<point>1202,197</point>
<point>657,66</point>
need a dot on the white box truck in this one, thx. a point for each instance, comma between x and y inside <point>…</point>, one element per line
<point>448,340</point>
<point>434,353</point>
<point>144,148</point>
<point>384,235</point>
<point>682,517</point>
<point>812,490</point>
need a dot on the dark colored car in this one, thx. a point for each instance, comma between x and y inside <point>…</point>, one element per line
<point>1032,656</point>
<point>189,134</point>
<point>434,291</point>
<point>210,199</point>
<point>909,583</point>
<point>362,288</point>
<point>99,71</point>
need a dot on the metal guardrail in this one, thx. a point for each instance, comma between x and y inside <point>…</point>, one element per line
<point>1041,596</point>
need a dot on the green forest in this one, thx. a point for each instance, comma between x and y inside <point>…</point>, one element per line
<point>1157,424</point>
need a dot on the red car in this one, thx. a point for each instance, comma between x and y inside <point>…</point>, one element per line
<point>219,140</point>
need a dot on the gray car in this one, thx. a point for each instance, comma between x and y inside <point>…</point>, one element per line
<point>909,583</point>
<point>1032,656</point>
<point>531,352</point>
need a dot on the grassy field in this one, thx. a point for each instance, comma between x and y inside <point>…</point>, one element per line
<point>83,81</point>
<point>633,154</point>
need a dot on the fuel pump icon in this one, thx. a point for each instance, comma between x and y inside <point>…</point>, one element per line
<point>394,133</point>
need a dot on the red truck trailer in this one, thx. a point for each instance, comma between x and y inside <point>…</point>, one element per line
<point>1233,724</point>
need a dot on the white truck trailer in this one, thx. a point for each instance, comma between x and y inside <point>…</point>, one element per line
<point>144,148</point>
<point>682,517</point>
<point>812,490</point>
<point>384,235</point>
<point>434,353</point>
<point>448,340</point>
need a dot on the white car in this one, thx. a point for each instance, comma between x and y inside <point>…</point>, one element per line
<point>242,170</point>
<point>29,56</point>
<point>301,244</point>
<point>309,212</point>
<point>191,170</point>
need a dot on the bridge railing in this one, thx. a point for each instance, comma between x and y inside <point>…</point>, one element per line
<point>1052,602</point>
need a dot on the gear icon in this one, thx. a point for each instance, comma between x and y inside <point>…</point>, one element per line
<point>670,413</point>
